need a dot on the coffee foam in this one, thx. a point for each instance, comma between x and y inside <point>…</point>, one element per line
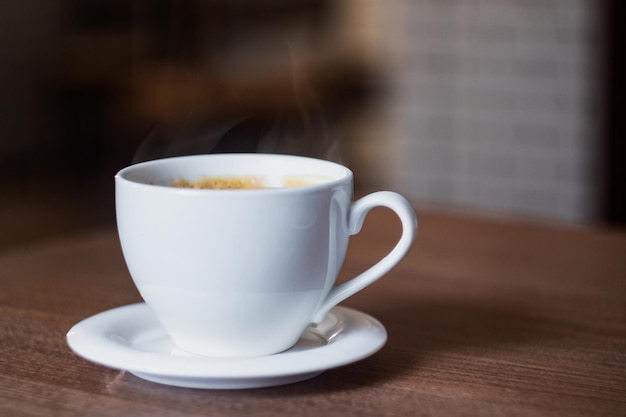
<point>250,182</point>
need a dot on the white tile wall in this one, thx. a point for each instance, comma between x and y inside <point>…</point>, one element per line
<point>493,105</point>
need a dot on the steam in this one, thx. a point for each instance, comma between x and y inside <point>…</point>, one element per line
<point>301,128</point>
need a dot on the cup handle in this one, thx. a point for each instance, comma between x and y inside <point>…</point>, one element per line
<point>358,211</point>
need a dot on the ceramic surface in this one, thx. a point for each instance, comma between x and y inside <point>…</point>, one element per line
<point>242,273</point>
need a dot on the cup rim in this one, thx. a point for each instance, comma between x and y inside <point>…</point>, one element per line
<point>343,174</point>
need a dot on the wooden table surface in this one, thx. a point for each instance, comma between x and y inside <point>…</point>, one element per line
<point>486,317</point>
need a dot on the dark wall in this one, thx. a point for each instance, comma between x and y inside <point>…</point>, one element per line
<point>615,195</point>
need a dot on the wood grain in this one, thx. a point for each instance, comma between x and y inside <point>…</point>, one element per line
<point>485,317</point>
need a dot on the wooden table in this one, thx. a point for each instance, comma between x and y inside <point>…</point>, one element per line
<point>486,317</point>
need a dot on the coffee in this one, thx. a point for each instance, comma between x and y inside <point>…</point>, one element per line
<point>249,182</point>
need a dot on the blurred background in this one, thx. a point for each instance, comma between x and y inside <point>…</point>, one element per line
<point>503,107</point>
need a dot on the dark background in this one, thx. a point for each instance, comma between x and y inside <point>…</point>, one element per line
<point>615,181</point>
<point>92,86</point>
<point>105,83</point>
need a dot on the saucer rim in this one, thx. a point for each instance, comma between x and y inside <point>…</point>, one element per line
<point>228,383</point>
<point>93,339</point>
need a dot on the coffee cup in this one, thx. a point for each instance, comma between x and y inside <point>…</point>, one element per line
<point>241,267</point>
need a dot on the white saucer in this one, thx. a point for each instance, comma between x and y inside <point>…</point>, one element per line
<point>131,338</point>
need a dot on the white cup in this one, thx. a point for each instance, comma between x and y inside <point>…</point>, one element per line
<point>239,273</point>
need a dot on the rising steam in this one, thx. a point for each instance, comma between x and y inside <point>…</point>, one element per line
<point>301,128</point>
